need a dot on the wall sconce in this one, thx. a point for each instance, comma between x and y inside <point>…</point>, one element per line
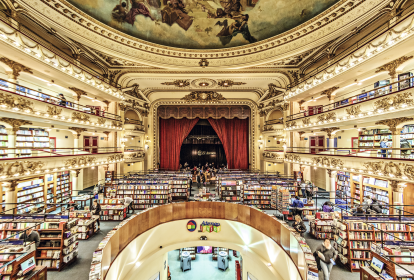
<point>147,141</point>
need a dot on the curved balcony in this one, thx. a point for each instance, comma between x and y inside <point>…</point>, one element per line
<point>389,101</point>
<point>265,243</point>
<point>34,104</point>
<point>134,125</point>
<point>273,126</point>
<point>388,163</point>
<point>21,162</point>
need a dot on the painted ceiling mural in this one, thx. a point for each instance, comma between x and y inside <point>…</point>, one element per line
<point>203,24</point>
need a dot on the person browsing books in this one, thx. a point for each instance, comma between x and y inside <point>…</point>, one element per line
<point>30,235</point>
<point>327,207</point>
<point>327,256</point>
<point>299,225</point>
<point>297,207</point>
<point>96,211</point>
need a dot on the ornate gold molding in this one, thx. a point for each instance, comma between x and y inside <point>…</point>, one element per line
<point>268,128</point>
<point>300,135</point>
<point>178,83</point>
<point>291,124</point>
<point>272,156</point>
<point>391,67</point>
<point>328,92</point>
<point>54,110</point>
<point>20,167</point>
<point>229,83</point>
<point>78,92</point>
<point>78,131</point>
<point>326,161</point>
<point>11,101</point>
<point>80,161</point>
<point>101,121</point>
<point>115,157</point>
<point>16,67</point>
<point>393,123</point>
<point>10,186</point>
<point>81,116</point>
<point>329,130</point>
<point>204,97</point>
<point>395,101</point>
<point>353,110</point>
<point>306,121</point>
<point>397,186</point>
<point>326,117</point>
<point>293,157</point>
<point>15,123</point>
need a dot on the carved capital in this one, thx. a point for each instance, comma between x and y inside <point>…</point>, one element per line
<point>300,135</point>
<point>393,123</point>
<point>78,92</point>
<point>328,92</point>
<point>330,171</point>
<point>15,123</point>
<point>391,67</point>
<point>76,172</point>
<point>329,130</point>
<point>301,102</point>
<point>78,131</point>
<point>122,106</point>
<point>10,186</point>
<point>397,186</point>
<point>16,67</point>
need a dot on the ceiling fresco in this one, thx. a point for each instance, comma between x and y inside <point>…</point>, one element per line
<point>203,24</point>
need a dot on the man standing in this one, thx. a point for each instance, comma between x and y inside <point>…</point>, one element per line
<point>129,201</point>
<point>30,235</point>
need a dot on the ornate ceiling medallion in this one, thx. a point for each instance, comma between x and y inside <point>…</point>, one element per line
<point>202,83</point>
<point>203,97</point>
<point>177,83</point>
<point>229,83</point>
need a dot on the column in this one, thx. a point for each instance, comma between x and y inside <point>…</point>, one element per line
<point>11,142</point>
<point>12,79</point>
<point>332,144</point>
<point>76,182</point>
<point>396,135</point>
<point>11,196</point>
<point>330,186</point>
<point>397,196</point>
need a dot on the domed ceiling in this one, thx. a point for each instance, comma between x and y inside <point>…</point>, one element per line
<point>203,24</point>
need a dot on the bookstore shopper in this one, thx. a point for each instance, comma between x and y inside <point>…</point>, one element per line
<point>96,211</point>
<point>30,235</point>
<point>375,207</point>
<point>327,256</point>
<point>297,207</point>
<point>299,225</point>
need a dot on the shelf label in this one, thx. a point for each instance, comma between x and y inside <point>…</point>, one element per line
<point>54,217</point>
<point>6,217</point>
<point>12,242</point>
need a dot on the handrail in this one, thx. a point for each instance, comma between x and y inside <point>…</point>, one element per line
<point>360,98</point>
<point>27,152</point>
<point>132,121</point>
<point>266,224</point>
<point>43,97</point>
<point>274,121</point>
<point>394,153</point>
<point>354,47</point>
<point>27,32</point>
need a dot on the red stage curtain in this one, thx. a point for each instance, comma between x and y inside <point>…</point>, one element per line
<point>234,135</point>
<point>172,134</point>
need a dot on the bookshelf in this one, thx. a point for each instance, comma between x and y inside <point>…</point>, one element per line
<point>283,200</point>
<point>230,190</point>
<point>178,190</point>
<point>58,244</point>
<point>86,223</point>
<point>322,228</point>
<point>257,195</point>
<point>11,268</point>
<point>112,209</point>
<point>30,191</point>
<point>3,142</point>
<point>145,195</point>
<point>63,187</point>
<point>273,202</point>
<point>31,138</point>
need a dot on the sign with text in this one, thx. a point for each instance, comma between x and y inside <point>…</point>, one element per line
<point>210,227</point>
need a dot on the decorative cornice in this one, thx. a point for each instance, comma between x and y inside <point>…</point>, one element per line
<point>15,123</point>
<point>81,117</point>
<point>80,161</point>
<point>204,97</point>
<point>393,123</point>
<point>177,83</point>
<point>12,101</point>
<point>329,130</point>
<point>78,92</point>
<point>391,67</point>
<point>78,131</point>
<point>395,101</point>
<point>326,117</point>
<point>15,67</point>
<point>328,92</point>
<point>20,167</point>
<point>273,156</point>
<point>353,110</point>
<point>54,110</point>
<point>397,186</point>
<point>327,162</point>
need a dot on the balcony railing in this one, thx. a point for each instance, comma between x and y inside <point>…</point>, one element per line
<point>275,121</point>
<point>362,97</point>
<point>133,149</point>
<point>383,153</point>
<point>24,152</point>
<point>9,87</point>
<point>138,124</point>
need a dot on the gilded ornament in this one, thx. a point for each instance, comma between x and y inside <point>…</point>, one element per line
<point>393,101</point>
<point>15,123</point>
<point>101,121</point>
<point>326,117</point>
<point>78,131</point>
<point>306,121</point>
<point>15,66</point>
<point>54,110</point>
<point>268,128</point>
<point>203,62</point>
<point>393,123</point>
<point>203,97</point>
<point>11,101</point>
<point>391,67</point>
<point>78,92</point>
<point>292,157</point>
<point>229,83</point>
<point>291,124</point>
<point>328,92</point>
<point>81,116</point>
<point>115,157</point>
<point>353,110</point>
<point>329,130</point>
<point>177,83</point>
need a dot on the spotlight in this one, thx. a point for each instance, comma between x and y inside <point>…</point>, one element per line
<point>203,237</point>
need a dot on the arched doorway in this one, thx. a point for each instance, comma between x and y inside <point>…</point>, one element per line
<point>202,146</point>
